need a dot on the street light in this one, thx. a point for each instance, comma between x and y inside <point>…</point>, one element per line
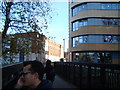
<point>64,48</point>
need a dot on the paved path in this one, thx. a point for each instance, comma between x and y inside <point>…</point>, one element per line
<point>60,83</point>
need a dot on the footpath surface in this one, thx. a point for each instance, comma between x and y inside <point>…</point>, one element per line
<point>60,83</point>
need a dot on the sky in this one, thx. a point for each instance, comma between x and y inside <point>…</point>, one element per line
<point>58,28</point>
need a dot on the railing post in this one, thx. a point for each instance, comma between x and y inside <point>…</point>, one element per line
<point>89,77</point>
<point>80,78</point>
<point>102,75</point>
<point>74,78</point>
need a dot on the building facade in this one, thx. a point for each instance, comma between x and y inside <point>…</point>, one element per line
<point>54,51</point>
<point>31,46</point>
<point>94,31</point>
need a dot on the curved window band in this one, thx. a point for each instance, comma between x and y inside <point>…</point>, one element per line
<point>95,22</point>
<point>95,6</point>
<point>88,39</point>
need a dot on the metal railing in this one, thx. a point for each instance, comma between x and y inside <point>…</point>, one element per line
<point>90,75</point>
<point>10,75</point>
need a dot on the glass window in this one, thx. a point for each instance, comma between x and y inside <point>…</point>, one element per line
<point>116,39</point>
<point>85,23</point>
<point>80,8</point>
<point>73,26</point>
<point>75,11</point>
<point>84,7</point>
<point>77,25</point>
<point>108,6</point>
<point>103,6</point>
<point>80,39</point>
<point>80,23</point>
<point>85,39</point>
<point>73,42</point>
<point>104,57</point>
<point>108,39</point>
<point>118,6</point>
<point>118,22</point>
<point>95,22</point>
<point>76,41</point>
<point>114,6</point>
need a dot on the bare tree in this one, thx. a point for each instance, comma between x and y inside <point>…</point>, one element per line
<point>21,17</point>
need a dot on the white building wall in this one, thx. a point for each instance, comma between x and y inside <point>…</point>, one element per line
<point>62,53</point>
<point>54,58</point>
<point>44,56</point>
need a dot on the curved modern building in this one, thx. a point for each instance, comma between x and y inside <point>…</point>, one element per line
<point>94,31</point>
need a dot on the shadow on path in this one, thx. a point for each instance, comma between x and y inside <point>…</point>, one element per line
<point>60,83</point>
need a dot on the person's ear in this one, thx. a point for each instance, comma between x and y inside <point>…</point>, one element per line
<point>36,75</point>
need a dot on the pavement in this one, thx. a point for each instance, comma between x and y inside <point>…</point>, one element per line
<point>60,83</point>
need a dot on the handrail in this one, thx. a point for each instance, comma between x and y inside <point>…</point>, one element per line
<point>10,73</point>
<point>90,75</point>
<point>4,66</point>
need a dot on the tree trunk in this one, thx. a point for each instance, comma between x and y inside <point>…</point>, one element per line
<point>7,21</point>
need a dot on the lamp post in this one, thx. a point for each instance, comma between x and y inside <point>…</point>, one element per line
<point>64,48</point>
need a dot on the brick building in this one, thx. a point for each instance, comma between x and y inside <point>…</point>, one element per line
<point>30,42</point>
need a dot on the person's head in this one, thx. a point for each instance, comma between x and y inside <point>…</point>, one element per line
<point>32,72</point>
<point>48,62</point>
<point>61,60</point>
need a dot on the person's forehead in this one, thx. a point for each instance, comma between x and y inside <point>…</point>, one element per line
<point>27,67</point>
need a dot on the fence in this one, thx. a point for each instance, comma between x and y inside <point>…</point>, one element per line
<point>10,75</point>
<point>90,75</point>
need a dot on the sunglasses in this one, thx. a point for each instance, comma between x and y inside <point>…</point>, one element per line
<point>24,73</point>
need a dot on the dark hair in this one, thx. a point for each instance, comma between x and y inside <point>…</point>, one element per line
<point>36,66</point>
<point>48,62</point>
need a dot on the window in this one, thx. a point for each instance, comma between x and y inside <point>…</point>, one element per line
<point>108,39</point>
<point>88,6</point>
<point>80,39</point>
<point>76,41</point>
<point>108,6</point>
<point>79,8</point>
<point>95,22</point>
<point>85,39</point>
<point>75,11</point>
<point>84,23</point>
<point>73,42</point>
<point>116,39</point>
<point>80,24</point>
<point>111,22</point>
<point>84,7</point>
<point>114,6</point>
<point>75,26</point>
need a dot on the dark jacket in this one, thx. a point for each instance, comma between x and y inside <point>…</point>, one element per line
<point>44,84</point>
<point>50,73</point>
